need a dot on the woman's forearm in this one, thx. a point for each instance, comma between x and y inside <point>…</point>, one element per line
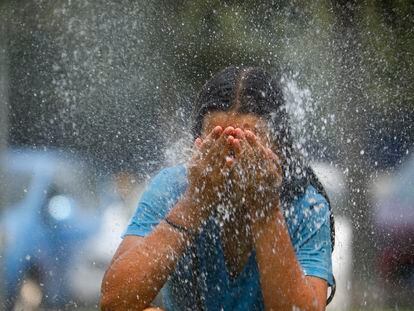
<point>283,283</point>
<point>137,275</point>
<point>140,270</point>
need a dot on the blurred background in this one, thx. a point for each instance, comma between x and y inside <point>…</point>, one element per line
<point>95,97</point>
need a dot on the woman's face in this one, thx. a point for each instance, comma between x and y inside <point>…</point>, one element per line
<point>237,120</point>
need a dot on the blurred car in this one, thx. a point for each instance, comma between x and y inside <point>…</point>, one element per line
<point>393,200</point>
<point>96,253</point>
<point>49,210</point>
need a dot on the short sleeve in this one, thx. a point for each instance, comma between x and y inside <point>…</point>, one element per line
<point>161,194</point>
<point>312,236</point>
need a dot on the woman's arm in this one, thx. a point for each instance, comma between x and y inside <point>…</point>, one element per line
<point>142,265</point>
<point>283,283</point>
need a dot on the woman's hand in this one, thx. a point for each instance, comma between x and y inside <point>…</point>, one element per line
<point>208,170</point>
<point>235,168</point>
<point>258,172</point>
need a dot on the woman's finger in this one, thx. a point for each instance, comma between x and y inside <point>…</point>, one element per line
<point>238,133</point>
<point>258,148</point>
<point>209,140</point>
<point>234,145</point>
<point>229,130</point>
<point>250,137</point>
<point>275,160</point>
<point>243,148</point>
<point>263,151</point>
<point>198,143</point>
<point>216,152</point>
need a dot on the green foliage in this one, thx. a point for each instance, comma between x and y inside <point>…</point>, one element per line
<point>388,39</point>
<point>205,36</point>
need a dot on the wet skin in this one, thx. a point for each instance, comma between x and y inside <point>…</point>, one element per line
<point>242,142</point>
<point>233,146</point>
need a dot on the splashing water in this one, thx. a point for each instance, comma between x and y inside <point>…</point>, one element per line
<point>299,103</point>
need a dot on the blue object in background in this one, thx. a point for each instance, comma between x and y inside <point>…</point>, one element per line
<point>49,209</point>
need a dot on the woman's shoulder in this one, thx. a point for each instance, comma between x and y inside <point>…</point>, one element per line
<point>172,179</point>
<point>307,214</point>
<point>311,204</point>
<point>313,198</point>
<point>177,173</point>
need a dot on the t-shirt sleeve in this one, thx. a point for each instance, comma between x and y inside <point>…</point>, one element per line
<point>312,237</point>
<point>161,194</point>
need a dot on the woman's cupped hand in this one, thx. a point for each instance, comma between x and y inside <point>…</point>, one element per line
<point>236,166</point>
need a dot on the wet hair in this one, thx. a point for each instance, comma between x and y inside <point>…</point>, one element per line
<point>253,90</point>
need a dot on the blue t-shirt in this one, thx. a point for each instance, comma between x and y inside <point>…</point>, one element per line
<point>201,279</point>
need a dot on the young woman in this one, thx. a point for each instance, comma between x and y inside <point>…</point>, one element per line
<point>243,226</point>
